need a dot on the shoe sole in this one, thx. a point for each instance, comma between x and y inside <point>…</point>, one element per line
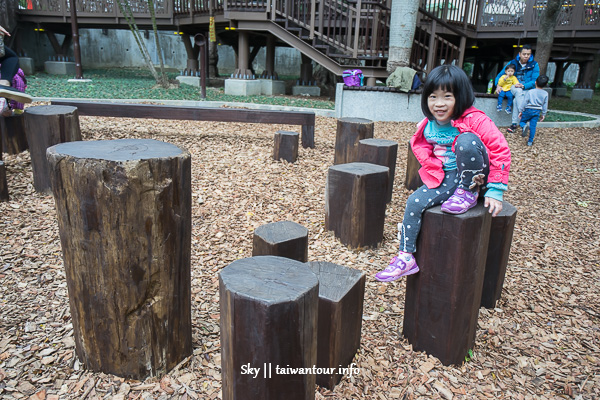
<point>14,94</point>
<point>457,211</point>
<point>395,278</point>
<point>525,132</point>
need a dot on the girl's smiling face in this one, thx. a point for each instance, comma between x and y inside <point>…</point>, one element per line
<point>441,105</point>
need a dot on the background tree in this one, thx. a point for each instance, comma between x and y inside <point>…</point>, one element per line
<point>403,22</point>
<point>545,37</point>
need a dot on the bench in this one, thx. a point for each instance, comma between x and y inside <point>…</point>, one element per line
<point>124,110</point>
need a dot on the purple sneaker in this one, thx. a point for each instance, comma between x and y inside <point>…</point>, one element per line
<point>461,201</point>
<point>402,265</point>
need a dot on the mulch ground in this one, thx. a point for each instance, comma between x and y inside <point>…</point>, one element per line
<point>542,341</point>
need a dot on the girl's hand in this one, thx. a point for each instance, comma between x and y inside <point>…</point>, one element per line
<point>4,31</point>
<point>494,205</point>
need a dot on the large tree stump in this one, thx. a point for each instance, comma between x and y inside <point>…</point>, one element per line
<point>442,300</point>
<point>286,146</point>
<point>283,239</point>
<point>355,203</point>
<point>413,179</point>
<point>501,235</point>
<point>381,152</point>
<point>46,126</point>
<point>3,182</point>
<point>269,308</point>
<point>12,129</point>
<point>124,216</point>
<point>349,132</point>
<point>341,296</point>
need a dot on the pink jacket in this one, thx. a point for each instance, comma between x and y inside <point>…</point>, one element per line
<point>473,120</point>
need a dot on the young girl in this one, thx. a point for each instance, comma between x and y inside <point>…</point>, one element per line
<point>460,151</point>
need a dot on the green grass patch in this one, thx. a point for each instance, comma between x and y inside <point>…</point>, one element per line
<point>591,106</point>
<point>561,117</point>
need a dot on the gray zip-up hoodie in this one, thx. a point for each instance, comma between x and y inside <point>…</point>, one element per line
<point>536,99</point>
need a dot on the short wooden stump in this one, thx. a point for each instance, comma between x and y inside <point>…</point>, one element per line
<point>269,308</point>
<point>3,183</point>
<point>12,129</point>
<point>413,179</point>
<point>285,146</point>
<point>46,126</point>
<point>443,299</point>
<point>501,234</point>
<point>355,203</point>
<point>349,132</point>
<point>381,152</point>
<point>124,217</point>
<point>341,296</point>
<point>284,239</point>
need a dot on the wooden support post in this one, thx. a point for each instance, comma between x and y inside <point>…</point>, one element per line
<point>443,299</point>
<point>124,216</point>
<point>381,152</point>
<point>12,129</point>
<point>46,126</point>
<point>355,203</point>
<point>284,239</point>
<point>3,183</point>
<point>413,179</point>
<point>269,308</point>
<point>349,132</point>
<point>341,296</point>
<point>501,235</point>
<point>286,146</point>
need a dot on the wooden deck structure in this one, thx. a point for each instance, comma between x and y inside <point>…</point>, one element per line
<point>339,34</point>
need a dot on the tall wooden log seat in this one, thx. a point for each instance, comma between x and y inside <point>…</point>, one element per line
<point>381,152</point>
<point>355,203</point>
<point>286,146</point>
<point>442,300</point>
<point>3,183</point>
<point>413,179</point>
<point>349,132</point>
<point>12,129</point>
<point>46,126</point>
<point>341,296</point>
<point>501,234</point>
<point>269,309</point>
<point>124,217</point>
<point>284,239</point>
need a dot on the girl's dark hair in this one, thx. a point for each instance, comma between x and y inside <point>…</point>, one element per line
<point>452,79</point>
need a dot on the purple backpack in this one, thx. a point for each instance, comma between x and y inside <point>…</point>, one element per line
<point>353,77</point>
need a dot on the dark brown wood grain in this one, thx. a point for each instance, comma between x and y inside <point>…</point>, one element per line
<point>285,146</point>
<point>501,234</point>
<point>381,152</point>
<point>46,126</point>
<point>124,217</point>
<point>269,308</point>
<point>284,239</point>
<point>355,203</point>
<point>102,109</point>
<point>442,300</point>
<point>3,183</point>
<point>413,179</point>
<point>349,132</point>
<point>341,297</point>
<point>12,129</point>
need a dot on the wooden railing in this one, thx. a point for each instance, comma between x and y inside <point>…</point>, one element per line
<point>194,7</point>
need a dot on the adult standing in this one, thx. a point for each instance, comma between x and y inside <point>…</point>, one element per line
<point>526,72</point>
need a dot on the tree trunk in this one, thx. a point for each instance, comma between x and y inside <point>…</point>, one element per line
<point>546,33</point>
<point>403,23</point>
<point>213,59</point>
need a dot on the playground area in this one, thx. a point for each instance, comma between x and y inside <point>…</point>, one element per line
<point>541,341</point>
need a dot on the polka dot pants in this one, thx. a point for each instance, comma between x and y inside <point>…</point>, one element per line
<point>471,161</point>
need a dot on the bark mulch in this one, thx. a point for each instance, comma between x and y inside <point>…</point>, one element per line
<point>541,342</point>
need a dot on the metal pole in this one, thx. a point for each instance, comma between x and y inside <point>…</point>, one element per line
<point>75,33</point>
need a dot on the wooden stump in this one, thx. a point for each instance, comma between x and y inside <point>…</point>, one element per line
<point>501,235</point>
<point>341,296</point>
<point>286,146</point>
<point>124,217</point>
<point>12,129</point>
<point>355,203</point>
<point>413,179</point>
<point>46,126</point>
<point>284,239</point>
<point>381,152</point>
<point>349,132</point>
<point>442,300</point>
<point>3,183</point>
<point>269,308</point>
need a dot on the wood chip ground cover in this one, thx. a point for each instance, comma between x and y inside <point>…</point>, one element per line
<point>541,342</point>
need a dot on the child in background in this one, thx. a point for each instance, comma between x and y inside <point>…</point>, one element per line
<point>533,107</point>
<point>506,82</point>
<point>460,150</point>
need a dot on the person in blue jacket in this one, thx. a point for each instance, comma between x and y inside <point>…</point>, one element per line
<point>527,72</point>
